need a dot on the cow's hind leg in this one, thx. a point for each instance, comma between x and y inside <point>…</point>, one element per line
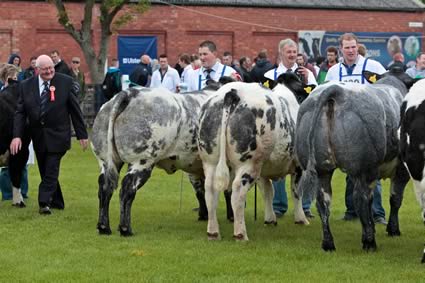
<point>363,197</point>
<point>266,189</point>
<point>240,186</point>
<point>108,181</point>
<point>323,204</point>
<point>135,178</point>
<point>297,196</point>
<point>211,198</point>
<point>198,184</point>
<point>398,183</point>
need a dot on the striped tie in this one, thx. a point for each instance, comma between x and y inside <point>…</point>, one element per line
<point>44,98</point>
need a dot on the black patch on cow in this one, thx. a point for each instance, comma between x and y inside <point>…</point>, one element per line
<point>245,156</point>
<point>271,117</point>
<point>243,130</point>
<point>140,148</point>
<point>269,100</point>
<point>262,129</point>
<point>211,121</point>
<point>174,157</point>
<point>142,162</point>
<point>231,99</point>
<point>247,179</point>
<point>258,112</point>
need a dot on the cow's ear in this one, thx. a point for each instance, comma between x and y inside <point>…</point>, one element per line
<point>269,84</point>
<point>309,88</point>
<point>371,77</point>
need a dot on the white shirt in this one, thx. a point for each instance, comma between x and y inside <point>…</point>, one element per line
<point>340,72</point>
<point>170,80</point>
<point>273,74</point>
<point>41,84</point>
<point>197,79</point>
<point>185,73</point>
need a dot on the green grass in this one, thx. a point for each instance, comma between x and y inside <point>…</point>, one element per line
<point>170,245</point>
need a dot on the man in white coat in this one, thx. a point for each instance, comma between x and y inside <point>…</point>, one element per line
<point>165,76</point>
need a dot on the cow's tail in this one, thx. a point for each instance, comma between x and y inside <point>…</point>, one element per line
<point>309,181</point>
<point>120,102</point>
<point>221,180</point>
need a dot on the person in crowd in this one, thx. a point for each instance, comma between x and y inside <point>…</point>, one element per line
<point>49,117</point>
<point>362,50</point>
<point>60,65</point>
<point>195,61</point>
<point>288,50</point>
<point>112,83</point>
<point>15,59</point>
<point>331,59</point>
<point>166,76</point>
<point>210,70</point>
<point>262,65</point>
<point>398,59</point>
<point>142,73</point>
<point>31,70</point>
<point>78,76</point>
<point>245,68</point>
<point>418,71</point>
<point>302,61</point>
<point>13,181</point>
<point>184,62</point>
<point>229,61</point>
<point>351,70</point>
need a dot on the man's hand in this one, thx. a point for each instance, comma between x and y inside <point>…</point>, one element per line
<point>304,72</point>
<point>84,144</point>
<point>15,146</point>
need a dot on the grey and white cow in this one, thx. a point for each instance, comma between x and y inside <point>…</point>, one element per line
<point>145,128</point>
<point>412,140</point>
<point>251,130</point>
<point>353,127</point>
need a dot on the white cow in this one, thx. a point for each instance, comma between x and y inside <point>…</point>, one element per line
<point>250,129</point>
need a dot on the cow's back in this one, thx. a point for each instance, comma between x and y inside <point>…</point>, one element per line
<point>349,131</point>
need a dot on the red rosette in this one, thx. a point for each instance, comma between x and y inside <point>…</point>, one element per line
<point>52,93</point>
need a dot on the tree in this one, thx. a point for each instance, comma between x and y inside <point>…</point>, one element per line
<point>109,22</point>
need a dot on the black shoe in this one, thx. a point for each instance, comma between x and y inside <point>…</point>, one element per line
<point>308,214</point>
<point>45,210</point>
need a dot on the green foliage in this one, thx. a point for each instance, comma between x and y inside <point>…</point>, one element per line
<point>170,245</point>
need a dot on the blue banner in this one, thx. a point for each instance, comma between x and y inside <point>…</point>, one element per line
<point>131,48</point>
<point>381,46</point>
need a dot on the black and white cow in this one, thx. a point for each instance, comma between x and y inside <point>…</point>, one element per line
<point>412,140</point>
<point>146,128</point>
<point>246,133</point>
<point>353,127</point>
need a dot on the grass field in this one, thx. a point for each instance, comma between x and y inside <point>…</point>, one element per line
<point>170,245</point>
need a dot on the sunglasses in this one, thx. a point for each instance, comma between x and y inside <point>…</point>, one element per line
<point>76,62</point>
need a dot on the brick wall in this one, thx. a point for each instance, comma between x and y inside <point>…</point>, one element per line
<point>30,28</point>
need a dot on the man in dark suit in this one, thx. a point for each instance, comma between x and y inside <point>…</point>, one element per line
<point>48,101</point>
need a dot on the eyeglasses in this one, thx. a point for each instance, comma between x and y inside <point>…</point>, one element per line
<point>76,62</point>
<point>50,68</point>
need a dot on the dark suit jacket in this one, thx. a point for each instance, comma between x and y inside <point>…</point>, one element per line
<point>53,132</point>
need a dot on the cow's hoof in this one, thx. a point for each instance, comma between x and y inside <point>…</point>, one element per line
<point>202,217</point>
<point>240,237</point>
<point>369,245</point>
<point>393,232</point>
<point>20,204</point>
<point>103,229</point>
<point>213,236</point>
<point>302,222</point>
<point>125,231</point>
<point>328,246</point>
<point>269,223</point>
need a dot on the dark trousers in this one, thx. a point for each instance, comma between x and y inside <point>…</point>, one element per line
<point>49,191</point>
